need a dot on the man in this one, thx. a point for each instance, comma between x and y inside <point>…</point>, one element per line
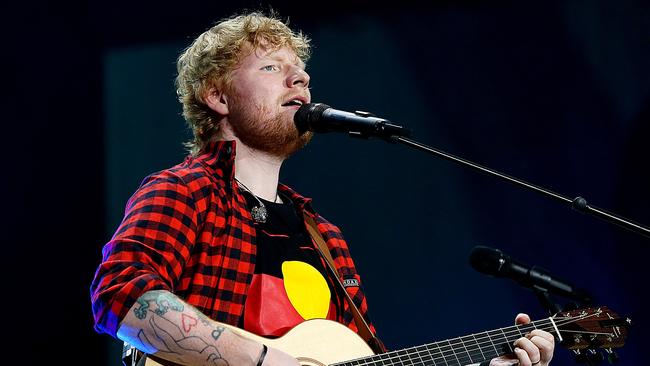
<point>216,241</point>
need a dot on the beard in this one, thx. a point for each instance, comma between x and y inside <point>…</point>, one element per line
<point>263,130</point>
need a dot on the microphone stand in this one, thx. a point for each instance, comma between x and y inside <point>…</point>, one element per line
<point>545,299</point>
<point>579,203</point>
<point>590,357</point>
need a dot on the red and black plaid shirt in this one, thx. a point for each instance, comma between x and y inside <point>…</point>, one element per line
<point>186,230</point>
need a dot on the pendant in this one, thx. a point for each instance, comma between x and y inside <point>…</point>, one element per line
<point>259,214</point>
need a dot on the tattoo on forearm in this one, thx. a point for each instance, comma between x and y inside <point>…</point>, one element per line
<point>188,322</point>
<point>163,301</point>
<point>217,332</point>
<point>170,338</point>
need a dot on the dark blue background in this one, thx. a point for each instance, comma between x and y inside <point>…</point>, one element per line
<point>556,93</point>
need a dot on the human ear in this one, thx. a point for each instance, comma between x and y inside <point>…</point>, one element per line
<point>217,101</point>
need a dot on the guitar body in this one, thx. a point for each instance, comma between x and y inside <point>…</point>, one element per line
<point>316,342</point>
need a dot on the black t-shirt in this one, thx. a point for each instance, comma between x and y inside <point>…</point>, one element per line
<point>290,283</point>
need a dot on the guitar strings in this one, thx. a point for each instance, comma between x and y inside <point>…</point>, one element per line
<point>443,350</point>
<point>443,353</point>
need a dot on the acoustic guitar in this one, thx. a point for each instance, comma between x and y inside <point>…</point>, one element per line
<point>320,342</point>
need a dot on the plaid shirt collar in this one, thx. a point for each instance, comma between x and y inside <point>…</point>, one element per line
<point>219,159</point>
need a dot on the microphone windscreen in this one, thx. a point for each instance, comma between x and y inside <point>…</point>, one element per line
<point>308,115</point>
<point>487,260</point>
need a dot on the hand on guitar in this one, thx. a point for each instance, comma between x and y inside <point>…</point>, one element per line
<point>535,349</point>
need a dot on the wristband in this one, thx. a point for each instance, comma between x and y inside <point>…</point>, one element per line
<point>262,355</point>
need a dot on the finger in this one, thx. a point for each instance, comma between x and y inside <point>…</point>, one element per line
<point>527,346</point>
<point>540,333</point>
<point>504,361</point>
<point>523,357</point>
<point>545,348</point>
<point>522,318</point>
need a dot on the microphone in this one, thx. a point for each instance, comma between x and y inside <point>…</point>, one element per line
<point>321,118</point>
<point>494,263</point>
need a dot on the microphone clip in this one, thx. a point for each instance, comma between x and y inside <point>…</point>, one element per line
<point>384,130</point>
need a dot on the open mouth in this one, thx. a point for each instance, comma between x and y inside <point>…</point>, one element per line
<point>293,102</point>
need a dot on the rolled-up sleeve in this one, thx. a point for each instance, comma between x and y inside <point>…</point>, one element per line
<point>148,251</point>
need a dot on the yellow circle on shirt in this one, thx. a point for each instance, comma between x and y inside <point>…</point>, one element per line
<point>306,289</point>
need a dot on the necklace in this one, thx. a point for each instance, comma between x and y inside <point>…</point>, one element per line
<point>258,213</point>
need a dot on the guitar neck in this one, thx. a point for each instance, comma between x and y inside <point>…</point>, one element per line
<point>460,351</point>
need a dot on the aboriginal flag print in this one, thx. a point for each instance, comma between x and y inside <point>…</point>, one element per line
<point>275,305</point>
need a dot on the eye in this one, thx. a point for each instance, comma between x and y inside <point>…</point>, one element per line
<point>269,68</point>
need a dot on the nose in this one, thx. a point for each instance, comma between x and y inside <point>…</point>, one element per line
<point>298,76</point>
